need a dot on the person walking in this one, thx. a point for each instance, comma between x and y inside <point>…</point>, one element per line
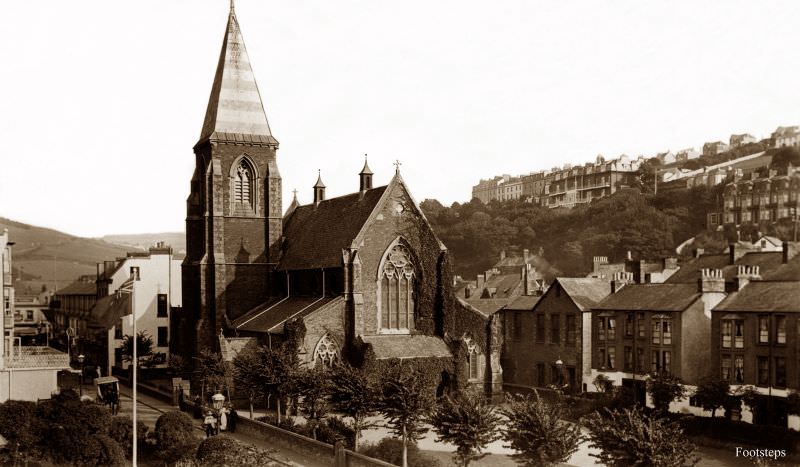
<point>233,417</point>
<point>210,423</point>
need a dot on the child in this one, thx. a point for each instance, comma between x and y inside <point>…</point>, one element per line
<point>210,423</point>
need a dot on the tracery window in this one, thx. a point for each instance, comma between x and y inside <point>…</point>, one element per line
<point>473,356</point>
<point>397,290</point>
<point>243,184</point>
<point>327,352</point>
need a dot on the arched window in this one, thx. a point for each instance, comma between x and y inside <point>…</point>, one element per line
<point>243,184</point>
<point>327,352</point>
<point>397,290</point>
<point>473,359</point>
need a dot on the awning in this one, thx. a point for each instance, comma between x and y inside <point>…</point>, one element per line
<point>108,310</point>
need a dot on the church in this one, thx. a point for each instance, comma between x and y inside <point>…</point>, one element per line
<point>361,277</point>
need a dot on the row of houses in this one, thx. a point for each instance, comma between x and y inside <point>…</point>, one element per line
<point>562,187</point>
<point>570,186</point>
<point>728,316</point>
<point>93,315</point>
<point>753,199</point>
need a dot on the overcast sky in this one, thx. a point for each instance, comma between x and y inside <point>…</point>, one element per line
<point>101,102</point>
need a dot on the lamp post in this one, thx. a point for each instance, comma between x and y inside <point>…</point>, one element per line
<point>81,359</point>
<point>218,400</point>
<point>560,366</point>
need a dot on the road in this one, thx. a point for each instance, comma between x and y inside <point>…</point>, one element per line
<point>150,408</point>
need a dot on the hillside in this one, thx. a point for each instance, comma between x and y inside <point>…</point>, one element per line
<point>51,258</point>
<point>143,241</point>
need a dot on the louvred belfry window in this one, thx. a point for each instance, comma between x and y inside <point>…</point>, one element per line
<point>243,184</point>
<point>397,290</point>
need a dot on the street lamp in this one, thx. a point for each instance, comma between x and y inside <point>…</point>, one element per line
<point>560,365</point>
<point>81,359</point>
<point>218,400</point>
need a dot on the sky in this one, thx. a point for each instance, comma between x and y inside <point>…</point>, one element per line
<point>101,102</point>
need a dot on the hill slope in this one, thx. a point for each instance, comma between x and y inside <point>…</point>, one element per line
<point>51,258</point>
<point>177,240</point>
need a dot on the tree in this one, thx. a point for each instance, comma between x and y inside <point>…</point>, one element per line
<point>538,432</point>
<point>144,347</point>
<point>312,387</point>
<point>784,157</point>
<point>468,422</point>
<point>264,372</point>
<point>248,376</point>
<point>405,402</point>
<point>18,425</point>
<point>175,436</point>
<point>603,383</point>
<point>213,372</point>
<point>355,395</point>
<point>712,395</point>
<point>121,431</point>
<point>663,390</point>
<point>629,439</point>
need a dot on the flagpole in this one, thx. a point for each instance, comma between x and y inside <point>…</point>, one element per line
<point>135,365</point>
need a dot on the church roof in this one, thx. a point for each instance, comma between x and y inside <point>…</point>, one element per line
<point>235,112</point>
<point>407,346</point>
<point>276,311</point>
<point>316,234</point>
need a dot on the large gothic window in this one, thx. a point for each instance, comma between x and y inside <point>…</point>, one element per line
<point>243,184</point>
<point>327,352</point>
<point>397,291</point>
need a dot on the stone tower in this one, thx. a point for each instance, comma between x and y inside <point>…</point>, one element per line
<point>233,214</point>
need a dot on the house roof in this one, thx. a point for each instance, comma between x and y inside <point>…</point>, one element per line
<point>79,288</point>
<point>690,271</point>
<point>235,111</point>
<point>785,272</point>
<point>524,302</point>
<point>277,311</point>
<point>585,292</point>
<point>651,297</point>
<point>505,285</point>
<point>487,306</point>
<point>407,346</point>
<point>316,234</point>
<point>764,296</point>
<point>108,310</point>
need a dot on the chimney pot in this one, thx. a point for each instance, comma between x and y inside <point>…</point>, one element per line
<point>525,254</point>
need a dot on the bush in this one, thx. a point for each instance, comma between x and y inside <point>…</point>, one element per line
<point>121,431</point>
<point>174,436</point>
<point>19,426</point>
<point>391,450</point>
<point>223,451</point>
<point>101,450</point>
<point>68,423</point>
<point>334,429</point>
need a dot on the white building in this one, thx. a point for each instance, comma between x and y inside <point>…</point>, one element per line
<point>146,285</point>
<point>26,372</point>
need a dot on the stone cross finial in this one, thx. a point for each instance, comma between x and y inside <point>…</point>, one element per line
<point>397,165</point>
<point>232,5</point>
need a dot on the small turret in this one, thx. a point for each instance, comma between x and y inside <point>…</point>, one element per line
<point>365,177</point>
<point>319,189</point>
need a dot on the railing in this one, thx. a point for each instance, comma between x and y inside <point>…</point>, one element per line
<point>36,357</point>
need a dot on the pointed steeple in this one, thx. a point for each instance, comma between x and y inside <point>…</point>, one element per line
<point>319,189</point>
<point>235,106</point>
<point>365,177</point>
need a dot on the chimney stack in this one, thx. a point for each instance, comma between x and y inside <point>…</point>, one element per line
<point>481,281</point>
<point>711,280</point>
<point>598,261</point>
<point>745,274</point>
<point>785,249</point>
<point>620,280</point>
<point>502,255</point>
<point>525,255</point>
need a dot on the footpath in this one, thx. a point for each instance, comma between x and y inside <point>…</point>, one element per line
<point>149,409</point>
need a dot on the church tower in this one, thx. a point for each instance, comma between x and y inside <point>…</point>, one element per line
<point>233,214</point>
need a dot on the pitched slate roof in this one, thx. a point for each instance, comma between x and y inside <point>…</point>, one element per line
<point>407,346</point>
<point>79,288</point>
<point>785,272</point>
<point>275,312</point>
<point>316,234</point>
<point>486,306</point>
<point>235,111</point>
<point>690,271</point>
<point>585,292</point>
<point>764,296</point>
<point>651,297</point>
<point>524,302</point>
<point>506,285</point>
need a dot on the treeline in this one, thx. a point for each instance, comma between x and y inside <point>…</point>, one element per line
<point>647,225</point>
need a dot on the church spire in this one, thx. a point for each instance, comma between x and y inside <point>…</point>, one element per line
<point>235,107</point>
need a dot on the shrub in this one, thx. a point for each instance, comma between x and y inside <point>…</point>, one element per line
<point>19,426</point>
<point>174,436</point>
<point>742,433</point>
<point>335,429</point>
<point>121,431</point>
<point>224,451</point>
<point>68,423</point>
<point>100,449</point>
<point>391,450</point>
